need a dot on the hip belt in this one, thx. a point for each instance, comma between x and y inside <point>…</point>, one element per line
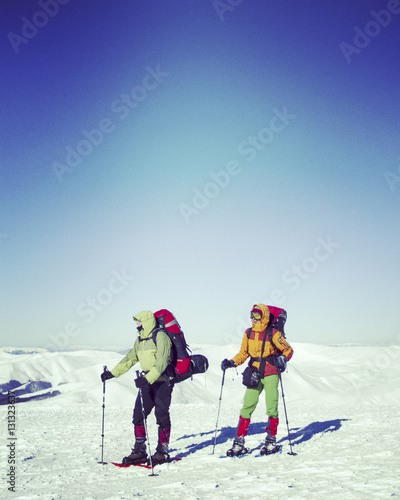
<point>269,359</point>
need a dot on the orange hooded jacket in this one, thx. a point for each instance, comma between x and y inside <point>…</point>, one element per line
<point>251,345</point>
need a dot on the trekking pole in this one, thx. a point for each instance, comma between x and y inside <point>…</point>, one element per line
<point>287,423</point>
<point>219,407</point>
<point>102,425</point>
<point>145,426</point>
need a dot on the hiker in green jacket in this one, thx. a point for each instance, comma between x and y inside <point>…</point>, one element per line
<point>156,388</point>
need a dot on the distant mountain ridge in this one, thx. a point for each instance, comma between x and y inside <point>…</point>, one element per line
<point>325,373</point>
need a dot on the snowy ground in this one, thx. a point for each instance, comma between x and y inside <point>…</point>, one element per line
<point>343,408</point>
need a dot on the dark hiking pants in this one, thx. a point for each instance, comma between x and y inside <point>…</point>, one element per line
<point>158,396</point>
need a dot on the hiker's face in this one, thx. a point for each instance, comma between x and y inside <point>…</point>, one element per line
<point>138,323</point>
<point>255,316</point>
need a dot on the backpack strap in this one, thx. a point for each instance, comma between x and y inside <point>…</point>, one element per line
<point>270,330</point>
<point>153,335</point>
<point>262,360</point>
<point>270,335</point>
<point>169,368</point>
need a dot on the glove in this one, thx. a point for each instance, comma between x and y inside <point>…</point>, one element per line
<point>281,363</point>
<point>141,382</point>
<point>106,375</point>
<point>227,363</point>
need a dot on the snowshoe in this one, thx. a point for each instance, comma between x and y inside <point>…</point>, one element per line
<point>138,456</point>
<point>160,458</point>
<point>238,448</point>
<point>270,446</point>
<point>161,455</point>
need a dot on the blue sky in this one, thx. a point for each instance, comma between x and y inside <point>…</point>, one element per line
<point>199,156</point>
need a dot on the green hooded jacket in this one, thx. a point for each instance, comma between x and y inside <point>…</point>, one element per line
<point>153,358</point>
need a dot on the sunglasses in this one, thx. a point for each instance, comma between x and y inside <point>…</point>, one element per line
<point>256,316</point>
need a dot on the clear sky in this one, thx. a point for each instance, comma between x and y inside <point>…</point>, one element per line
<point>200,156</point>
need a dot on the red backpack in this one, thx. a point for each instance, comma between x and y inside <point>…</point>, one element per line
<point>278,318</point>
<point>184,364</point>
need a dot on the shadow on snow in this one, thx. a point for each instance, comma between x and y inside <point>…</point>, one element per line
<point>27,391</point>
<point>297,435</point>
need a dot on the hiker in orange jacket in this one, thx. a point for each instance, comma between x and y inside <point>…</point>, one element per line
<point>271,358</point>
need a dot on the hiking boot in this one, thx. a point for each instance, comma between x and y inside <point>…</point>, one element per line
<point>238,447</point>
<point>161,455</point>
<point>269,446</point>
<point>138,455</point>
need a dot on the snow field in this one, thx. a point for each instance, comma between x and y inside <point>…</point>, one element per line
<point>343,419</point>
<point>340,454</point>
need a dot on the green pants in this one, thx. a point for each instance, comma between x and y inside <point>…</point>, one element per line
<point>270,384</point>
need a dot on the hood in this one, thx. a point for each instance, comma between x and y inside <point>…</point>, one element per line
<point>148,322</point>
<point>263,323</point>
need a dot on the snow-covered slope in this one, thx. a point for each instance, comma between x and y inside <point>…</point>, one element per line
<point>342,405</point>
<point>316,373</point>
